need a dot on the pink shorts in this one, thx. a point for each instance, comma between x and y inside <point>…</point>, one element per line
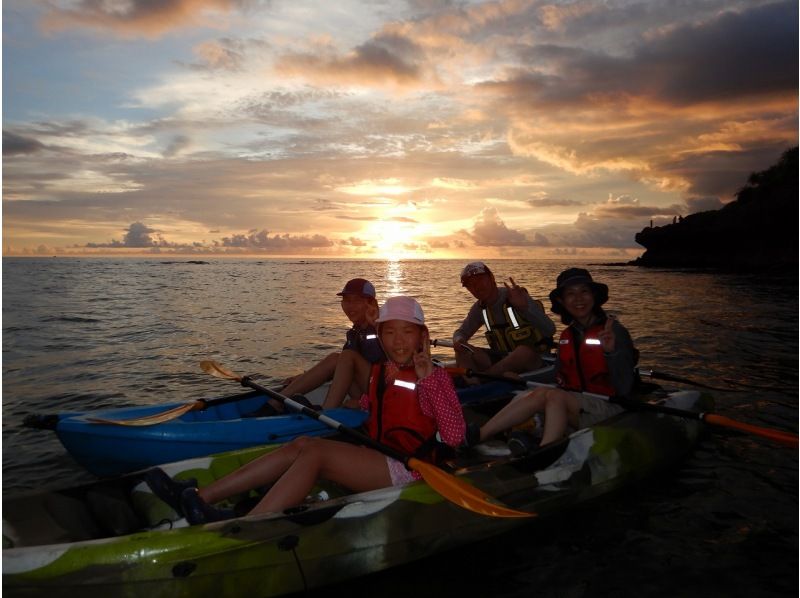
<point>399,474</point>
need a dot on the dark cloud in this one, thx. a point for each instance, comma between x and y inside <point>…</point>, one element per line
<point>702,204</point>
<point>490,230</point>
<point>261,240</point>
<point>551,202</point>
<point>736,55</point>
<point>138,236</point>
<point>14,145</point>
<point>178,144</point>
<point>383,59</point>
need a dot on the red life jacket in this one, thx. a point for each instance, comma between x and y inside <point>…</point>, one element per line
<point>395,416</point>
<point>583,368</point>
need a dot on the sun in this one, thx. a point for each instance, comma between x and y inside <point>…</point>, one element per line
<point>394,239</point>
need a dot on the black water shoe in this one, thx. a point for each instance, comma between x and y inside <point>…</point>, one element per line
<point>167,489</point>
<point>198,511</point>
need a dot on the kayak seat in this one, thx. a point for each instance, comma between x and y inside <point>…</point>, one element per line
<point>113,511</point>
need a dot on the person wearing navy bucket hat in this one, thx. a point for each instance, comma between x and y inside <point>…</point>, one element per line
<point>347,370</point>
<point>595,355</point>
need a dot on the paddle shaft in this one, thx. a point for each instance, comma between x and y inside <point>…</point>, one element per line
<point>712,419</point>
<point>331,423</point>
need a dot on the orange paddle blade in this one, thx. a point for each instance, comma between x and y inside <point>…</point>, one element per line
<point>461,493</point>
<point>150,420</point>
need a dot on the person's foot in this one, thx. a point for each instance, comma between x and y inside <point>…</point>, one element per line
<point>522,443</point>
<point>196,510</point>
<point>167,489</point>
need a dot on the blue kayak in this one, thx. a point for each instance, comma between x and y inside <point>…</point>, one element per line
<point>220,425</point>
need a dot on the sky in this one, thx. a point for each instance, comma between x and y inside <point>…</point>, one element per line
<point>384,129</point>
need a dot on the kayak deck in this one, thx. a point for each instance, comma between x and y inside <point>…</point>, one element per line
<point>46,548</point>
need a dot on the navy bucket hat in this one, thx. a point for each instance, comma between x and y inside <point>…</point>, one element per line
<point>574,276</point>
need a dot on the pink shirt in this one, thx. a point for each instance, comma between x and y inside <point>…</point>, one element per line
<point>437,399</point>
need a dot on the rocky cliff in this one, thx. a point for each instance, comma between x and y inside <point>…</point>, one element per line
<point>757,230</point>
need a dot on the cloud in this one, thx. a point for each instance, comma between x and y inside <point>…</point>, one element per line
<point>14,145</point>
<point>262,240</point>
<point>489,229</point>
<point>138,236</point>
<point>668,98</point>
<point>138,17</point>
<point>385,59</point>
<point>702,204</point>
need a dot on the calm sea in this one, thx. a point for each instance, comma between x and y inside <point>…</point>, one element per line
<point>90,333</point>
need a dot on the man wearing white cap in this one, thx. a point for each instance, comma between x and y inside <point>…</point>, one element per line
<point>517,328</point>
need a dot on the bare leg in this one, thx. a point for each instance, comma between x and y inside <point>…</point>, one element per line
<point>523,407</point>
<point>352,370</point>
<point>522,359</point>
<point>560,408</point>
<point>295,468</point>
<point>356,468</point>
<point>313,378</point>
<point>478,361</point>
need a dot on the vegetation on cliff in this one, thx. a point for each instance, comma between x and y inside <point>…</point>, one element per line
<point>757,230</point>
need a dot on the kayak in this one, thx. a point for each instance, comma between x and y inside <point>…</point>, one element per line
<point>114,537</point>
<point>221,425</point>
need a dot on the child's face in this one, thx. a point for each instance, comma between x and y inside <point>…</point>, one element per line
<point>355,308</point>
<point>401,340</point>
<point>578,300</point>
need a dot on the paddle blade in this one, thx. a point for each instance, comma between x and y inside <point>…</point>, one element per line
<point>461,493</point>
<point>777,435</point>
<point>215,369</point>
<point>149,420</point>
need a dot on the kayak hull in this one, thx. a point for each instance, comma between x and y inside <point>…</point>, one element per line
<point>319,543</point>
<point>109,449</point>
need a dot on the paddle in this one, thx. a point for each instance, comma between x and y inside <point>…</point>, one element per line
<point>672,378</point>
<point>712,419</point>
<point>169,414</point>
<point>449,486</point>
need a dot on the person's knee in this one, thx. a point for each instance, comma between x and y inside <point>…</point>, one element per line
<point>331,358</point>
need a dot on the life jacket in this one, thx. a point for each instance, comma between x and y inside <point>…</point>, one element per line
<point>395,416</point>
<point>513,331</point>
<point>583,368</point>
<point>366,343</point>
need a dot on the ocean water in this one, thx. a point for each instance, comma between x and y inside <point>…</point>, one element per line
<point>88,333</point>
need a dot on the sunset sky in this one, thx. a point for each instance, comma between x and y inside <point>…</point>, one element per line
<point>417,128</point>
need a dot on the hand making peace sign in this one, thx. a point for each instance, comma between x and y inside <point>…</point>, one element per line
<point>607,337</point>
<point>517,295</point>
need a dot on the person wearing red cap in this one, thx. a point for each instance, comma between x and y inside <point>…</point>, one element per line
<point>412,407</point>
<point>348,370</point>
<point>595,355</point>
<point>517,328</point>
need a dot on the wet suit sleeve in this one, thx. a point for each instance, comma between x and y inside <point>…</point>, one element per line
<point>622,361</point>
<point>470,325</point>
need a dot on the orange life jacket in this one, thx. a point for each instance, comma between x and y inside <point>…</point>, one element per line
<point>395,416</point>
<point>583,368</point>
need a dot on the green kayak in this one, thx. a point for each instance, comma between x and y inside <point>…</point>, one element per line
<point>115,538</point>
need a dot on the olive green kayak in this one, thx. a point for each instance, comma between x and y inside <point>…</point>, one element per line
<point>115,538</point>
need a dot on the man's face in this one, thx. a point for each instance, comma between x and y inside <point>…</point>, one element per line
<point>482,286</point>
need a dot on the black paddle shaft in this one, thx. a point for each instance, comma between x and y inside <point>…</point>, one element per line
<point>331,423</point>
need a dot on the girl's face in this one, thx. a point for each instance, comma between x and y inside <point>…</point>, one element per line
<point>355,308</point>
<point>578,300</point>
<point>401,340</point>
